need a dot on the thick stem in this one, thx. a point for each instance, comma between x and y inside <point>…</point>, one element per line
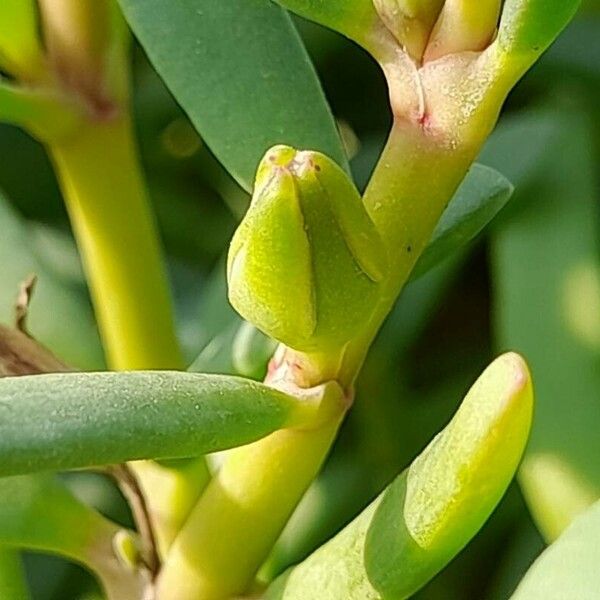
<point>115,229</point>
<point>247,504</point>
<point>242,513</point>
<point>12,576</point>
<point>414,180</point>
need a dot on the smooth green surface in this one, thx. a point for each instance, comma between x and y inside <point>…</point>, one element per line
<point>569,567</point>
<point>55,304</point>
<point>43,113</point>
<point>251,351</point>
<point>85,419</point>
<point>482,195</point>
<point>12,576</point>
<point>306,264</point>
<point>37,512</point>
<point>529,26</point>
<point>540,260</point>
<point>241,73</point>
<point>354,18</point>
<point>432,509</point>
<point>20,51</point>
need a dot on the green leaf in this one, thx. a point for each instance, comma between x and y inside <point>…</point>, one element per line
<point>60,317</point>
<point>569,567</point>
<point>38,513</point>
<point>434,508</point>
<point>12,576</point>
<point>251,351</point>
<point>356,19</point>
<point>482,195</point>
<point>528,27</point>
<point>241,73</point>
<point>75,420</point>
<point>545,268</point>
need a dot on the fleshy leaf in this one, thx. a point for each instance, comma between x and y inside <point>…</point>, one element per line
<point>74,420</point>
<point>482,195</point>
<point>539,308</point>
<point>435,507</point>
<point>241,73</point>
<point>569,567</point>
<point>528,27</point>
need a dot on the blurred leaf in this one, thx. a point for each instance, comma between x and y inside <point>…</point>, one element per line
<point>569,567</point>
<point>219,325</point>
<point>38,513</point>
<point>12,576</point>
<point>252,351</point>
<point>79,420</point>
<point>241,73</point>
<point>56,251</point>
<point>434,508</point>
<point>482,195</point>
<point>217,354</point>
<point>59,317</point>
<point>539,257</point>
<point>578,48</point>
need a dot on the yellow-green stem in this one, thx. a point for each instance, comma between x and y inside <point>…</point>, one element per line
<point>413,183</point>
<point>247,504</point>
<point>241,514</point>
<point>115,230</point>
<point>98,170</point>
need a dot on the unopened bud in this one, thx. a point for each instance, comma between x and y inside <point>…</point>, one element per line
<point>464,26</point>
<point>306,263</point>
<point>410,21</point>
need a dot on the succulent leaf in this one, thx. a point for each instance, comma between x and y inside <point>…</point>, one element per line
<point>432,509</point>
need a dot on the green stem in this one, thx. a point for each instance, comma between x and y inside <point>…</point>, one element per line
<point>115,229</point>
<point>241,514</point>
<point>411,186</point>
<point>247,504</point>
<point>12,576</point>
<point>43,112</point>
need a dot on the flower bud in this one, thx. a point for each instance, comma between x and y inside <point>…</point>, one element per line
<point>463,26</point>
<point>306,263</point>
<point>410,21</point>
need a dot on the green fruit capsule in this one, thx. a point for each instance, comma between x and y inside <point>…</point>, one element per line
<point>306,264</point>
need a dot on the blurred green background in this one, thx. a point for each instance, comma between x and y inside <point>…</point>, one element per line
<point>531,283</point>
